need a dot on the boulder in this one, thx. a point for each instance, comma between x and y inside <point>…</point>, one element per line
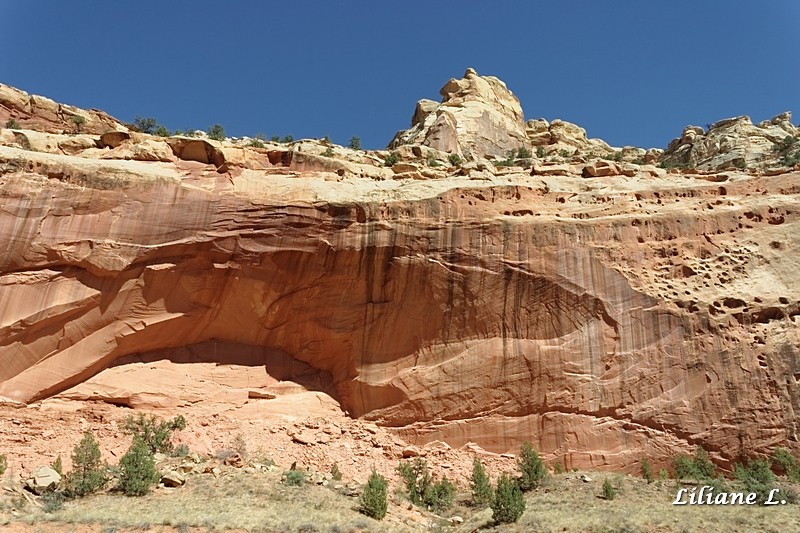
<point>235,460</point>
<point>601,168</point>
<point>43,479</point>
<point>112,139</point>
<point>200,150</point>
<point>555,169</point>
<point>410,451</point>
<point>144,150</point>
<point>173,478</point>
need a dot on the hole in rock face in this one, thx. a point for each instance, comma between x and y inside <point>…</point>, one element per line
<point>231,372</point>
<point>277,365</point>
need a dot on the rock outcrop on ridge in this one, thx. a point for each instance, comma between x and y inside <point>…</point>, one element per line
<point>478,116</point>
<point>604,310</point>
<point>45,115</point>
<point>735,143</point>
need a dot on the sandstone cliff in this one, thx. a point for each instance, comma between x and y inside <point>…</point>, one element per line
<point>633,311</point>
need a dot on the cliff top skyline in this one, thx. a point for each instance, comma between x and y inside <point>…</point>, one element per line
<point>628,73</point>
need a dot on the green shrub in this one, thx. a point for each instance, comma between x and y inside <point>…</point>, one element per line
<point>256,143</point>
<point>663,474</point>
<point>328,152</point>
<point>790,494</point>
<point>756,476</point>
<point>88,474</point>
<point>421,488</point>
<point>391,159</point>
<point>479,484</point>
<point>785,144</point>
<point>523,153</point>
<point>181,450</point>
<point>508,503</point>
<point>144,124</point>
<point>294,478</point>
<point>454,159</point>
<point>58,466</point>
<point>440,495</point>
<point>161,131</point>
<point>684,467</point>
<point>336,474</point>
<point>355,143</point>
<point>739,163</point>
<point>275,138</point>
<point>3,464</point>
<point>373,500</point>
<point>287,139</point>
<point>432,162</point>
<point>509,160</point>
<point>564,153</point>
<point>12,124</point>
<point>558,468</point>
<point>609,492</point>
<point>416,477</point>
<point>540,152</point>
<point>786,463</point>
<point>647,471</point>
<point>791,160</point>
<point>79,121</point>
<point>617,157</point>
<point>698,467</point>
<point>532,469</point>
<point>216,132</point>
<point>137,469</point>
<point>52,501</point>
<point>155,433</point>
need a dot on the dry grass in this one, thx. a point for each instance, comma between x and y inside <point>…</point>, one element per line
<point>569,504</point>
<point>238,501</point>
<point>260,503</point>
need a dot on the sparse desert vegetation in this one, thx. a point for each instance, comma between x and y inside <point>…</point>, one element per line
<point>256,495</point>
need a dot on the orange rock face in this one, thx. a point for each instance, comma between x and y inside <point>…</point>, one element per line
<point>602,319</point>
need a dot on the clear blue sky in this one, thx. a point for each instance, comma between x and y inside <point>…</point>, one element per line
<point>632,72</point>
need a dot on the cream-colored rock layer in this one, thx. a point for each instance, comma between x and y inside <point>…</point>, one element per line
<point>735,142</point>
<point>478,117</point>
<point>601,318</point>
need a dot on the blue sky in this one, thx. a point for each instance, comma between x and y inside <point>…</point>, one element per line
<point>632,72</point>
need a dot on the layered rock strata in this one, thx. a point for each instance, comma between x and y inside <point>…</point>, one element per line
<point>632,312</point>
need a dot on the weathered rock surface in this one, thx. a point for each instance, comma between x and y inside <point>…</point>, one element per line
<point>43,479</point>
<point>560,135</point>
<point>172,478</point>
<point>34,112</point>
<point>734,142</point>
<point>602,319</point>
<point>478,117</point>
